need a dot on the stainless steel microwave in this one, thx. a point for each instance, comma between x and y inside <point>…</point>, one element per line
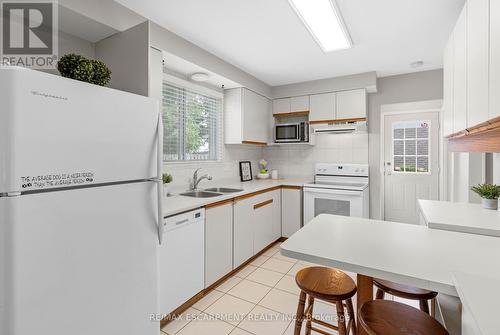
<point>291,132</point>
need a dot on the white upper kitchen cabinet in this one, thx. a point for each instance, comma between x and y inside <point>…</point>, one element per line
<point>494,89</point>
<point>322,107</point>
<point>460,73</point>
<point>246,116</point>
<point>281,105</point>
<point>448,87</point>
<point>477,61</point>
<point>291,211</point>
<point>299,104</point>
<point>218,242</point>
<point>351,104</point>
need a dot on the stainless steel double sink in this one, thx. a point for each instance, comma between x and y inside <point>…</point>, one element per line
<point>211,192</point>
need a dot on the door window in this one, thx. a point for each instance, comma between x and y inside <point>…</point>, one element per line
<point>411,146</point>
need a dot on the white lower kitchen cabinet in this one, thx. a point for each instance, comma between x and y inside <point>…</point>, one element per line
<point>218,242</point>
<point>263,213</point>
<point>291,211</point>
<point>276,215</point>
<point>243,231</point>
<point>256,221</point>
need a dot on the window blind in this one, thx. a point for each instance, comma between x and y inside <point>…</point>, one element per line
<point>192,125</point>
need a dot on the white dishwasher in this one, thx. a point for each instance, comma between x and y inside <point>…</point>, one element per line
<point>182,259</point>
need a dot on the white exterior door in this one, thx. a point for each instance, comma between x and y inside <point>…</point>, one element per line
<point>411,163</point>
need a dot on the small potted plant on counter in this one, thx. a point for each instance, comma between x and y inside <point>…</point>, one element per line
<point>489,195</point>
<point>263,172</point>
<point>167,179</point>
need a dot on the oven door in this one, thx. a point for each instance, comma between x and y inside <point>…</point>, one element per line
<point>332,201</point>
<point>287,132</point>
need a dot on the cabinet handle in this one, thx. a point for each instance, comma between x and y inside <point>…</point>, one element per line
<point>262,204</point>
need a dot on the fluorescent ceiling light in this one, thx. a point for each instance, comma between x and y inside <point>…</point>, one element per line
<point>324,22</point>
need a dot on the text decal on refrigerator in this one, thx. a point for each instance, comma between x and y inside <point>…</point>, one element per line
<point>57,180</point>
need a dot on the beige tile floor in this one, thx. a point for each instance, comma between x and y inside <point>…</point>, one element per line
<point>261,299</point>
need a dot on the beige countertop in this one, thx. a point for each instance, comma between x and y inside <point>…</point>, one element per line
<point>176,203</point>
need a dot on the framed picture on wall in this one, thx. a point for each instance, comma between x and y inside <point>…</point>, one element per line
<point>246,171</point>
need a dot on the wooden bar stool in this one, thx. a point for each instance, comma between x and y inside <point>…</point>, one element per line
<point>384,317</point>
<point>330,285</point>
<point>406,292</point>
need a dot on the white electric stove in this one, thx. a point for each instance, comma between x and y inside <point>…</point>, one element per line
<point>340,189</point>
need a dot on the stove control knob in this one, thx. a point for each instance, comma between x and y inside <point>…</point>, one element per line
<point>357,170</point>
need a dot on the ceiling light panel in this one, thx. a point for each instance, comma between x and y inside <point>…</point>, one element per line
<point>324,22</point>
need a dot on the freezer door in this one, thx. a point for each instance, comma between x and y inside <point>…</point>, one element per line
<point>80,262</point>
<point>58,132</point>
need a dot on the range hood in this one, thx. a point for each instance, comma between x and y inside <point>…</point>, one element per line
<point>339,128</point>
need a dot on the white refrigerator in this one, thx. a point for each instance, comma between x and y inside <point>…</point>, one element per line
<point>79,207</point>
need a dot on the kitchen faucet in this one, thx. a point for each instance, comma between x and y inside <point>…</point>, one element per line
<point>196,180</point>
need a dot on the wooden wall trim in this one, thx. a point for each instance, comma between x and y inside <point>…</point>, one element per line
<point>262,204</point>
<point>488,141</point>
<point>338,120</point>
<point>250,195</point>
<point>254,143</point>
<point>291,187</point>
<point>484,137</point>
<point>290,114</point>
<point>219,203</point>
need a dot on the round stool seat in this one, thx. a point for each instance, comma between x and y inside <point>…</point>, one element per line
<point>326,283</point>
<point>383,317</point>
<point>404,291</point>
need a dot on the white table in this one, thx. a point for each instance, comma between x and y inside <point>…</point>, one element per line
<point>462,217</point>
<point>408,254</point>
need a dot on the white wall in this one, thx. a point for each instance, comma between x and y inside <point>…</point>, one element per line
<point>420,86</point>
<point>127,56</point>
<point>366,80</point>
<point>72,44</point>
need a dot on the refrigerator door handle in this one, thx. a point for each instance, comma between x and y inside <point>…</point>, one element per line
<point>159,180</point>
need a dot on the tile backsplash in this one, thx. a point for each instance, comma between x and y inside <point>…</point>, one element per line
<point>297,161</point>
<point>292,161</point>
<point>226,170</point>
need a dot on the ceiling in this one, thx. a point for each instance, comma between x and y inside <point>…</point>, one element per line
<point>267,39</point>
<point>184,69</point>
